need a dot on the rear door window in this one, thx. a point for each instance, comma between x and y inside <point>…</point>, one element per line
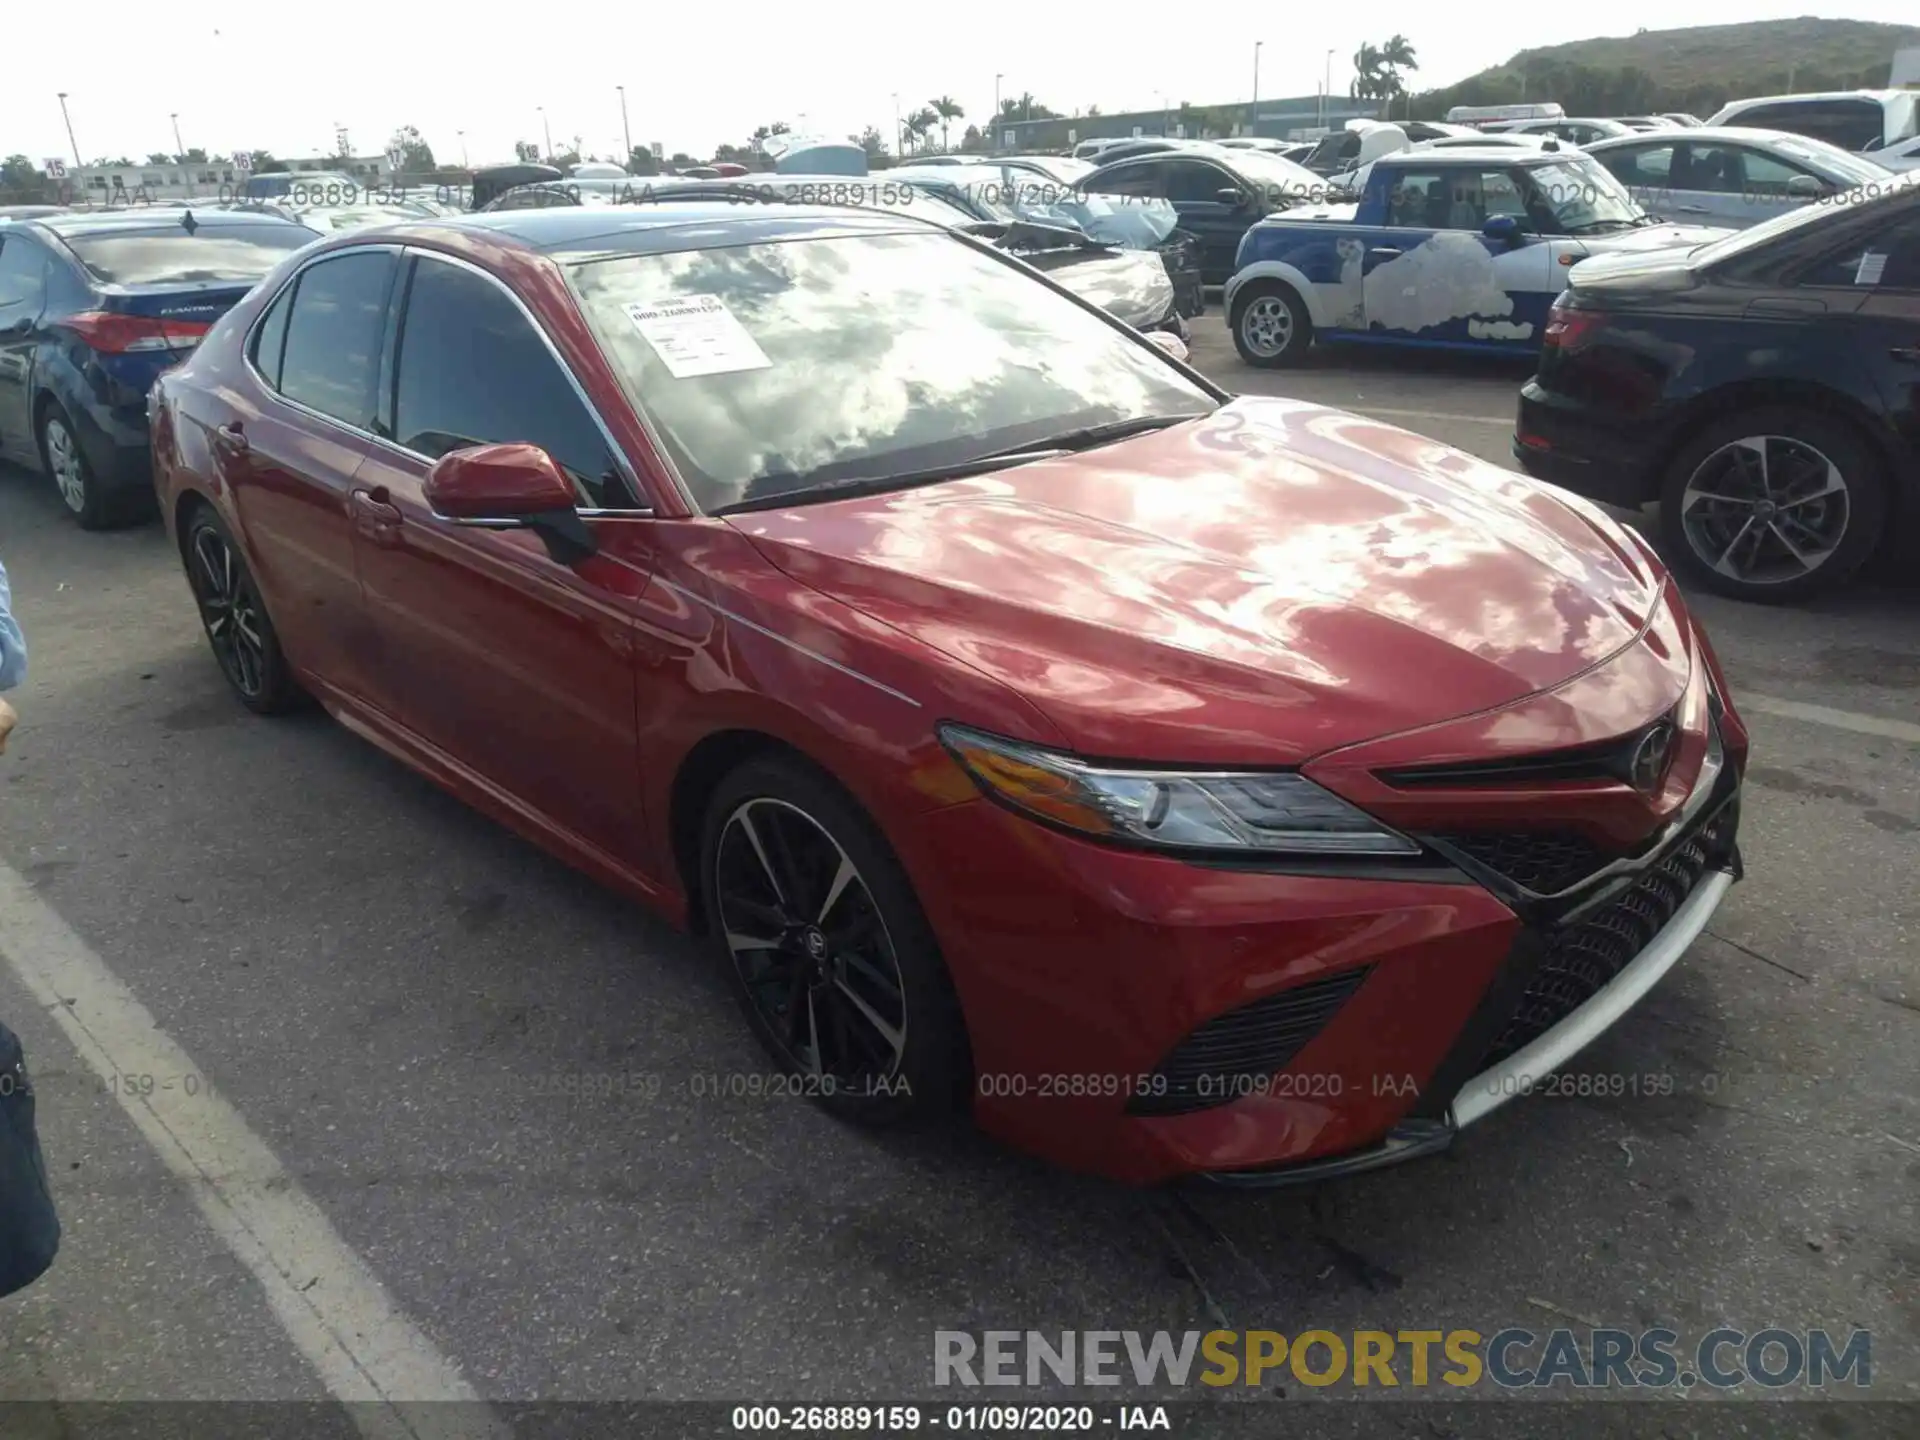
<point>1887,260</point>
<point>335,331</point>
<point>175,255</point>
<point>1193,181</point>
<point>1146,180</point>
<point>1650,165</point>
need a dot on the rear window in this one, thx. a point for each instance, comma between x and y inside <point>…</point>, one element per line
<point>172,255</point>
<point>1850,124</point>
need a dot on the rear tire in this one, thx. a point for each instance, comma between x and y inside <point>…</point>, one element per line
<point>827,949</point>
<point>235,618</point>
<point>92,505</point>
<point>1271,328</point>
<point>1774,505</point>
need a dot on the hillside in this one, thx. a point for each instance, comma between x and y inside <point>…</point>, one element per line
<point>1697,69</point>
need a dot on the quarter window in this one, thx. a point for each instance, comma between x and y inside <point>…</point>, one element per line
<point>334,334</point>
<point>1890,260</point>
<point>23,274</point>
<point>271,338</point>
<point>473,371</point>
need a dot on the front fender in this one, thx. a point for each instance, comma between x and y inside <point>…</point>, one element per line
<point>1286,273</point>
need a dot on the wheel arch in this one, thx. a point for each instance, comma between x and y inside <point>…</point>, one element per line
<point>1828,400</point>
<point>1276,270</point>
<point>699,774</point>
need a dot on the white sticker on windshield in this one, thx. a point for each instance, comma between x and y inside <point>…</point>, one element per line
<point>697,335</point>
<point>1872,267</point>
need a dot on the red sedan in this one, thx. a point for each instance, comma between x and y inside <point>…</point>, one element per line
<point>1185,784</point>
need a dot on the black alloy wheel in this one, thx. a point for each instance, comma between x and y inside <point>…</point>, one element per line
<point>236,622</point>
<point>827,948</point>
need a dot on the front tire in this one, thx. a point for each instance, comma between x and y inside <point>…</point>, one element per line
<point>235,618</point>
<point>1774,505</point>
<point>1271,328</point>
<point>827,949</point>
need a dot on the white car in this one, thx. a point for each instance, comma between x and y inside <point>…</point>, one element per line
<point>1581,131</point>
<point>1355,180</point>
<point>1731,176</point>
<point>1901,155</point>
<point>1859,120</point>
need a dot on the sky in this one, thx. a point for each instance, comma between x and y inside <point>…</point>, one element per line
<point>281,78</point>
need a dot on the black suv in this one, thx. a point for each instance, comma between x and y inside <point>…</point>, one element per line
<point>1764,389</point>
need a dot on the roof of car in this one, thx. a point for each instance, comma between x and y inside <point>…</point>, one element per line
<point>1741,134</point>
<point>643,230</point>
<point>156,217</point>
<point>1476,155</point>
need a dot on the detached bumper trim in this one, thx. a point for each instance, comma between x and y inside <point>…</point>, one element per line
<point>1518,1073</point>
<point>1406,1141</point>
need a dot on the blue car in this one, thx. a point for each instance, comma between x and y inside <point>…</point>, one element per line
<point>1453,249</point>
<point>92,308</point>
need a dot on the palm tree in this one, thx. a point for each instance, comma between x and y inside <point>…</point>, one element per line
<point>919,123</point>
<point>948,109</point>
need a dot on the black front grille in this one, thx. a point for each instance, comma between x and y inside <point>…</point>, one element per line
<point>1581,958</point>
<point>1237,1054</point>
<point>1543,861</point>
<point>1606,760</point>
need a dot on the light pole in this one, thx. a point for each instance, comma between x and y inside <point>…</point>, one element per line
<point>69,119</point>
<point>547,130</point>
<point>463,149</point>
<point>1256,70</point>
<point>996,111</point>
<point>899,137</point>
<point>626,132</point>
<point>178,148</point>
<point>1326,94</point>
<point>1166,111</point>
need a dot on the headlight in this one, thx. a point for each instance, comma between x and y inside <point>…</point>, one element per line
<point>1268,812</point>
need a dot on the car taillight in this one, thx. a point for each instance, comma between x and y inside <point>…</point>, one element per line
<point>115,334</point>
<point>1569,329</point>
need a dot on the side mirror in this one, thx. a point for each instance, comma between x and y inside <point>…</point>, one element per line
<point>1171,343</point>
<point>509,487</point>
<point>1231,195</point>
<point>1503,228</point>
<point>1805,187</point>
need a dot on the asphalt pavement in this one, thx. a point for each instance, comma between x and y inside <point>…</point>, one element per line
<point>366,1002</point>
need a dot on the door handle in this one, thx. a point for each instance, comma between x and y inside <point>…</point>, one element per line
<point>231,437</point>
<point>1383,252</point>
<point>375,515</point>
<point>1906,354</point>
<point>1692,210</point>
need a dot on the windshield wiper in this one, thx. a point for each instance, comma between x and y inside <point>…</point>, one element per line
<point>805,494</point>
<point>1050,448</point>
<point>1089,436</point>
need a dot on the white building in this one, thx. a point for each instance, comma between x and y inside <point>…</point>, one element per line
<point>216,179</point>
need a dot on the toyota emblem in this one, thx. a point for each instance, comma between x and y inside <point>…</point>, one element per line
<point>1651,756</point>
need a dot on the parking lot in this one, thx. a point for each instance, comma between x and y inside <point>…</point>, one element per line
<point>385,991</point>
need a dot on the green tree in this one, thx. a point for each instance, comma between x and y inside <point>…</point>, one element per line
<point>640,161</point>
<point>871,141</point>
<point>919,123</point>
<point>265,164</point>
<point>159,157</point>
<point>22,183</point>
<point>416,154</point>
<point>948,109</point>
<point>1025,107</point>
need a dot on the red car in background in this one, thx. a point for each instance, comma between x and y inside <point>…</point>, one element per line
<point>1188,784</point>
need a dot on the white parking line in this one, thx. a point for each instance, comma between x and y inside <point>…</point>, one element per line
<point>331,1305</point>
<point>1836,719</point>
<point>1445,417</point>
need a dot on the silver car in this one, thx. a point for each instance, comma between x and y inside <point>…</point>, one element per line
<point>1730,176</point>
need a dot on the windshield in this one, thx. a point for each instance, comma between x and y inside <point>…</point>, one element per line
<point>174,255</point>
<point>893,195</point>
<point>1585,197</point>
<point>777,369</point>
<point>1812,213</point>
<point>1277,176</point>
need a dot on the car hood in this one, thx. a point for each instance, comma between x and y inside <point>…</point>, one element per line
<point>1131,285</point>
<point>1258,586</point>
